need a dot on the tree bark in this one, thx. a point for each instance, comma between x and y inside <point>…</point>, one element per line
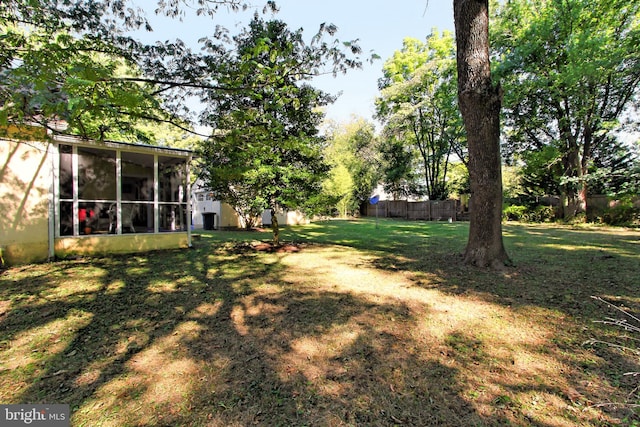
<point>275,227</point>
<point>575,192</point>
<point>480,103</point>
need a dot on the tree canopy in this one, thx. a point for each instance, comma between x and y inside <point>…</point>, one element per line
<point>418,106</point>
<point>79,61</point>
<point>266,151</point>
<point>70,61</point>
<point>571,75</point>
<point>352,153</point>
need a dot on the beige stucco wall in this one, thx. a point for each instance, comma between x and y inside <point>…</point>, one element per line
<point>102,245</point>
<point>25,177</point>
<point>229,217</point>
<point>285,218</point>
<point>296,218</point>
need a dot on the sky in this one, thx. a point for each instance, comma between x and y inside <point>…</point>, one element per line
<point>378,25</point>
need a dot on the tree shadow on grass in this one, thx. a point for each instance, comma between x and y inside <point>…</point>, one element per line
<point>557,271</point>
<point>322,359</point>
<point>218,337</point>
<point>80,340</point>
<point>556,268</point>
<point>194,338</point>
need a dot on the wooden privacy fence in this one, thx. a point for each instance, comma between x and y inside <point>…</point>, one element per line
<point>431,210</point>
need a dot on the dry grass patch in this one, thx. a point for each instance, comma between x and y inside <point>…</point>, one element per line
<point>498,353</point>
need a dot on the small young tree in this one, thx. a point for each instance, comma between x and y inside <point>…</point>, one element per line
<point>352,153</point>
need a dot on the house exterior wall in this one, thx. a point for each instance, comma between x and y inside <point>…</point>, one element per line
<point>131,243</point>
<point>229,217</point>
<point>25,183</point>
<point>225,217</point>
<point>203,202</point>
<point>29,224</point>
<point>285,218</point>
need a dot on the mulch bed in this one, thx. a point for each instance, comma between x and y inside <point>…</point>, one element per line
<point>284,247</point>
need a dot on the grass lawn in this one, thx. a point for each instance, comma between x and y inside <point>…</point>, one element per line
<point>356,324</point>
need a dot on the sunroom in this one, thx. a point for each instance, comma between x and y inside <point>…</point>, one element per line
<point>115,189</point>
<point>78,197</point>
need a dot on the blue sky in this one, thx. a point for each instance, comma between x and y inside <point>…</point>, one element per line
<point>379,25</point>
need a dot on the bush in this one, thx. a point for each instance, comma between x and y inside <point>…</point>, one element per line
<point>623,213</point>
<point>577,219</point>
<point>515,213</point>
<point>529,214</point>
<point>542,214</point>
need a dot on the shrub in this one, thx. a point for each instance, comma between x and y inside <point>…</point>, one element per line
<point>515,213</point>
<point>624,213</point>
<point>529,214</point>
<point>577,219</point>
<point>542,214</point>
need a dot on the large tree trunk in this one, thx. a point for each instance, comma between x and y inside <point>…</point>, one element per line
<point>480,103</point>
<point>575,192</point>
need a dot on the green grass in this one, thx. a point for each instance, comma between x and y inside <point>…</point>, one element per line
<point>364,324</point>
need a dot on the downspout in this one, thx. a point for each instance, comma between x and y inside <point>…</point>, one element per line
<point>189,201</point>
<point>52,152</point>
